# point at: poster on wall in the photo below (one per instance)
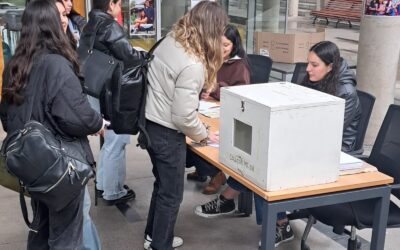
(142, 18)
(382, 7)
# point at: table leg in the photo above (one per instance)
(381, 211)
(268, 227)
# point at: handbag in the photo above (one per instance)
(98, 68)
(6, 179)
(52, 168)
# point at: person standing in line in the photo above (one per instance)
(233, 72)
(76, 22)
(58, 102)
(184, 63)
(110, 38)
(91, 239)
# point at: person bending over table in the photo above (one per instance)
(234, 71)
(326, 72)
(171, 111)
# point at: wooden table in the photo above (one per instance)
(363, 186)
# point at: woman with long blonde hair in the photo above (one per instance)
(184, 63)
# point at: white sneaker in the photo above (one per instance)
(177, 242)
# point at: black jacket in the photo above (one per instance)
(59, 103)
(110, 38)
(347, 90)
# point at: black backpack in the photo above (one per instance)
(123, 102)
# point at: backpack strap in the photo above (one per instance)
(142, 116)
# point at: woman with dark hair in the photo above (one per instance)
(91, 239)
(110, 38)
(58, 102)
(184, 63)
(233, 72)
(329, 73)
(76, 22)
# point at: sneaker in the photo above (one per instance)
(284, 233)
(217, 207)
(99, 192)
(177, 242)
(130, 195)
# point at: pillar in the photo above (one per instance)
(377, 65)
(293, 8)
(270, 15)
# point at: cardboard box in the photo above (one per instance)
(281, 135)
(286, 48)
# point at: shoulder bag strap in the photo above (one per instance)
(36, 77)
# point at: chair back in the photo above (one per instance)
(385, 154)
(299, 72)
(260, 68)
(367, 102)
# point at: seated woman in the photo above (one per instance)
(141, 23)
(234, 71)
(326, 72)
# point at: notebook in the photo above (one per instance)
(348, 162)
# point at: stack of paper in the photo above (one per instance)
(348, 162)
(210, 109)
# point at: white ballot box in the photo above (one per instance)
(281, 135)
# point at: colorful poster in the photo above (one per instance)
(142, 18)
(382, 7)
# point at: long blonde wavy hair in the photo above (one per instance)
(200, 32)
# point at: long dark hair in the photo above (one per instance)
(68, 32)
(233, 35)
(329, 53)
(41, 33)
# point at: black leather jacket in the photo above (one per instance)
(347, 90)
(110, 38)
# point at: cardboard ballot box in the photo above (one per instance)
(286, 48)
(281, 135)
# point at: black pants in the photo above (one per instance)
(203, 168)
(167, 153)
(57, 230)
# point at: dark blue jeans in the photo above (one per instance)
(168, 156)
(203, 168)
(258, 200)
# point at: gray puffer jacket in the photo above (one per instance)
(175, 82)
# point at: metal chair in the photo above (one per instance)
(385, 155)
(260, 68)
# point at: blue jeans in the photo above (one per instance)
(168, 156)
(258, 200)
(111, 168)
(91, 239)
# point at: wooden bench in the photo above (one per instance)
(341, 10)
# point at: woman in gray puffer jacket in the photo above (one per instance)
(329, 73)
